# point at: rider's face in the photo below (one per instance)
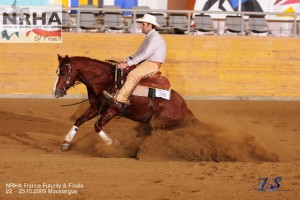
(146, 27)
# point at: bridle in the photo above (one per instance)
(69, 75)
(68, 79)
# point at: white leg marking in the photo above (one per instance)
(70, 135)
(105, 138)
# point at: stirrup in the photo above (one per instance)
(108, 95)
(113, 101)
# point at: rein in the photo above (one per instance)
(73, 104)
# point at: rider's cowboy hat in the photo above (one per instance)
(149, 19)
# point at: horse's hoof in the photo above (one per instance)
(64, 146)
(108, 142)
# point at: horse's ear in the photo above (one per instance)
(59, 58)
(67, 59)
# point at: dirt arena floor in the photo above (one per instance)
(241, 150)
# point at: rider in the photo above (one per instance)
(148, 58)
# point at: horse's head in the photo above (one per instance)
(66, 76)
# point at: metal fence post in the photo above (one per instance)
(78, 20)
(134, 22)
(295, 25)
(243, 23)
(189, 23)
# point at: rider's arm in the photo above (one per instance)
(147, 51)
(154, 49)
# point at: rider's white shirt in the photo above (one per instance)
(152, 49)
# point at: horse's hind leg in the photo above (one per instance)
(144, 129)
(90, 113)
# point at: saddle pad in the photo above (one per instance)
(144, 91)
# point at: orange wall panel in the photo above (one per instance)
(177, 5)
(191, 4)
(196, 65)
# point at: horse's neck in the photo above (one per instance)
(91, 74)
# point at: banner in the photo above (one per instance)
(30, 21)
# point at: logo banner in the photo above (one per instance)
(31, 21)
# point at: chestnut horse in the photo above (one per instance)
(98, 76)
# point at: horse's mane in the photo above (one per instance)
(100, 62)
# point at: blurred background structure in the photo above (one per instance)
(274, 17)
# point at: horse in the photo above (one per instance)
(97, 76)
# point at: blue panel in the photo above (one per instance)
(235, 3)
(74, 3)
(129, 4)
(126, 4)
(119, 3)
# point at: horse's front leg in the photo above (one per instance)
(104, 119)
(90, 113)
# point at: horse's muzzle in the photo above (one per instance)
(60, 93)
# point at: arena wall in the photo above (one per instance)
(197, 66)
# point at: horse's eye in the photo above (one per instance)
(62, 73)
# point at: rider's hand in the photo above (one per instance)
(122, 65)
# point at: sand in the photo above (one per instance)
(237, 145)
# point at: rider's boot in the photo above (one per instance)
(113, 102)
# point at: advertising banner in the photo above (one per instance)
(30, 21)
